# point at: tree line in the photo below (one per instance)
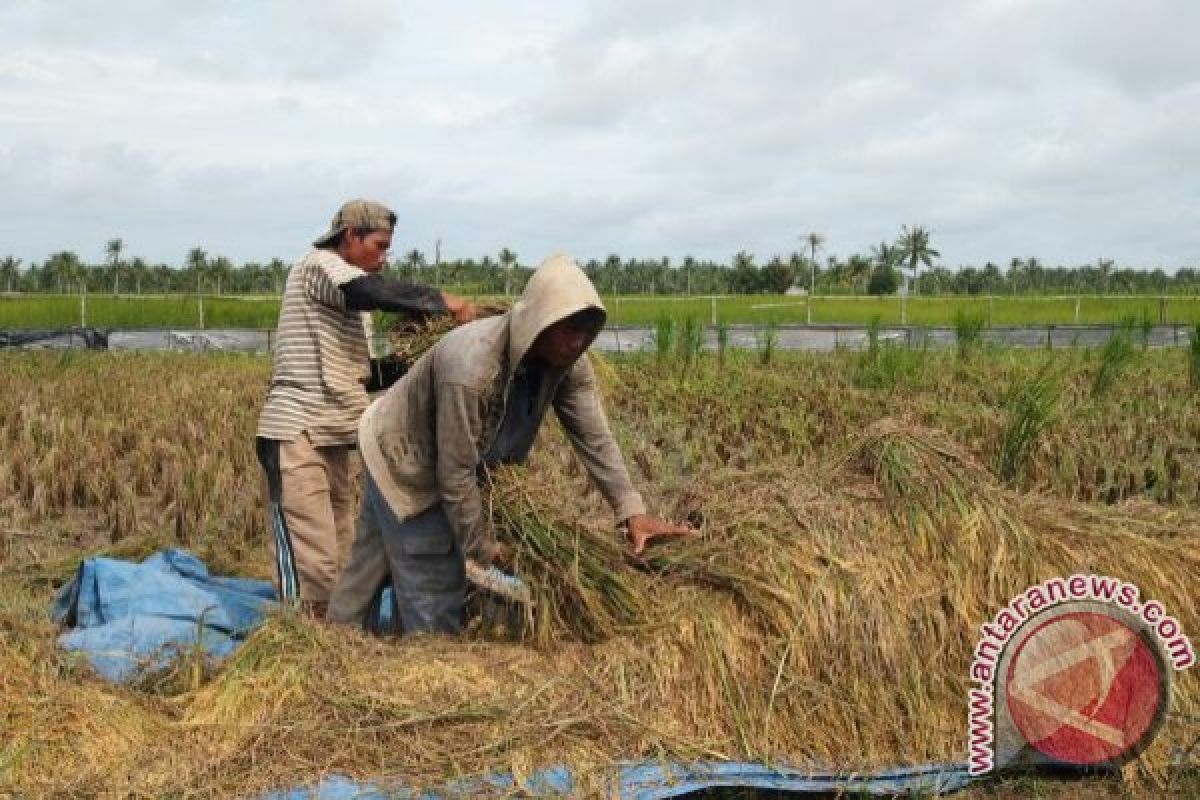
(909, 261)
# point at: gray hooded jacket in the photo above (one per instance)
(423, 440)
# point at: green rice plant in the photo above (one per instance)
(767, 342)
(691, 340)
(1194, 357)
(1145, 324)
(874, 325)
(1032, 406)
(1114, 358)
(884, 364)
(722, 341)
(664, 338)
(894, 365)
(968, 331)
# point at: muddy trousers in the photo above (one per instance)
(310, 517)
(419, 559)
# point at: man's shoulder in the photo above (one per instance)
(473, 354)
(328, 262)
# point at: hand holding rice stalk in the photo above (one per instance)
(411, 337)
(578, 582)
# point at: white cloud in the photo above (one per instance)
(1060, 128)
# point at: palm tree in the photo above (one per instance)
(278, 270)
(1105, 265)
(778, 275)
(745, 273)
(10, 270)
(113, 251)
(858, 270)
(508, 259)
(689, 266)
(414, 260)
(162, 277)
(913, 247)
(612, 268)
(66, 269)
(221, 270)
(1033, 268)
(815, 242)
(138, 271)
(658, 273)
(197, 263)
(487, 272)
(885, 255)
(1016, 268)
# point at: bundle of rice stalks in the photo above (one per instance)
(581, 586)
(409, 338)
(921, 471)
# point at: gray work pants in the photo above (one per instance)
(420, 558)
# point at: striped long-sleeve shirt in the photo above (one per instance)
(321, 356)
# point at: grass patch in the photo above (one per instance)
(1115, 357)
(884, 364)
(1032, 406)
(968, 332)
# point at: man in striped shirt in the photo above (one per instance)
(318, 391)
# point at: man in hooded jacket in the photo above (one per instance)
(478, 398)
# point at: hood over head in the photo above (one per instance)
(557, 289)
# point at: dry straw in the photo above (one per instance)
(826, 616)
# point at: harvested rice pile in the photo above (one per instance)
(826, 617)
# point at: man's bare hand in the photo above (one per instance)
(644, 529)
(503, 557)
(460, 308)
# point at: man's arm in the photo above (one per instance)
(459, 426)
(577, 404)
(375, 292)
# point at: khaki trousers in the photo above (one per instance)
(311, 521)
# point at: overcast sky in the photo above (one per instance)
(1063, 129)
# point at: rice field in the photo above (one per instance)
(190, 311)
(134, 311)
(862, 514)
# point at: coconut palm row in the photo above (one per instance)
(880, 271)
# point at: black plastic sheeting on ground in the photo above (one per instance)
(60, 339)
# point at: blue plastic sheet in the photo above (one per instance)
(653, 781)
(126, 616)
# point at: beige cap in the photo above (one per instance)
(359, 213)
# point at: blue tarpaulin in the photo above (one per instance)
(127, 616)
(654, 781)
